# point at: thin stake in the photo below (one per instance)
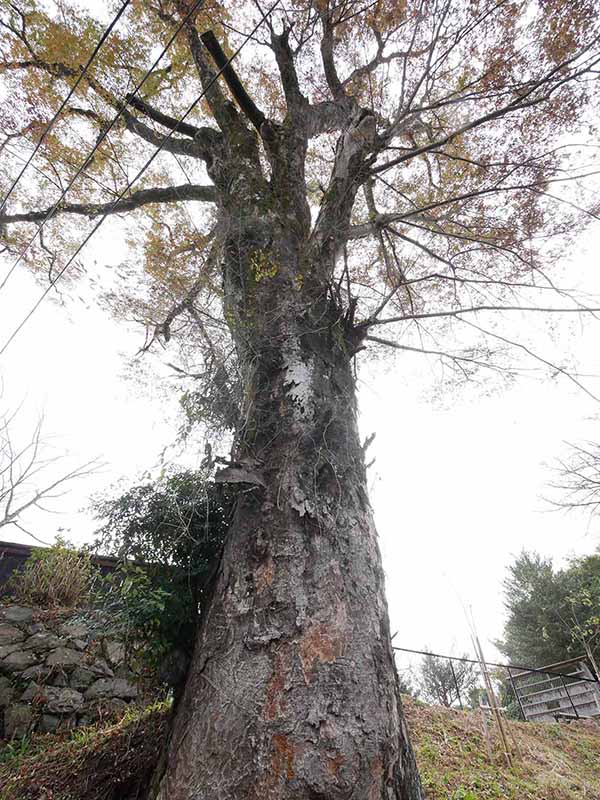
(492, 701)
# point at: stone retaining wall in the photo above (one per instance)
(58, 669)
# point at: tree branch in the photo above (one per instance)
(202, 147)
(363, 230)
(224, 112)
(243, 99)
(203, 141)
(165, 120)
(523, 101)
(22, 469)
(555, 367)
(170, 194)
(327, 45)
(296, 101)
(428, 352)
(476, 309)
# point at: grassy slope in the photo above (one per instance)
(114, 762)
(558, 761)
(104, 762)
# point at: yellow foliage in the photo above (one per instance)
(262, 266)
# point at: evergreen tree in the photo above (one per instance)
(446, 682)
(553, 615)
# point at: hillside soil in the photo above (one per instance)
(115, 761)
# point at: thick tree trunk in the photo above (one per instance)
(293, 691)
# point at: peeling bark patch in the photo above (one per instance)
(298, 380)
(377, 773)
(334, 764)
(264, 575)
(275, 703)
(282, 761)
(319, 643)
(301, 503)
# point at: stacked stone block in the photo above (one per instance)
(59, 670)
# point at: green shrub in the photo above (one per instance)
(173, 531)
(140, 613)
(57, 576)
(13, 752)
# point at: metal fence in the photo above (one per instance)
(567, 690)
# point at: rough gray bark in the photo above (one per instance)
(292, 691)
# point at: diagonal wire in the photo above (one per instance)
(165, 139)
(82, 74)
(37, 169)
(98, 142)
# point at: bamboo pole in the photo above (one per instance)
(492, 700)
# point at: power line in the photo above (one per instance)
(82, 74)
(137, 176)
(98, 142)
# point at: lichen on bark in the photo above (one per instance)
(293, 693)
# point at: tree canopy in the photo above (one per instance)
(479, 134)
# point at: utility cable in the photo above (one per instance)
(50, 125)
(165, 139)
(98, 142)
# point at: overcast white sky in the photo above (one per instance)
(456, 484)
(457, 479)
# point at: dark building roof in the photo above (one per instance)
(13, 556)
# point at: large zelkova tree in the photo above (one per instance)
(363, 176)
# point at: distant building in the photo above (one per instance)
(572, 694)
(14, 555)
